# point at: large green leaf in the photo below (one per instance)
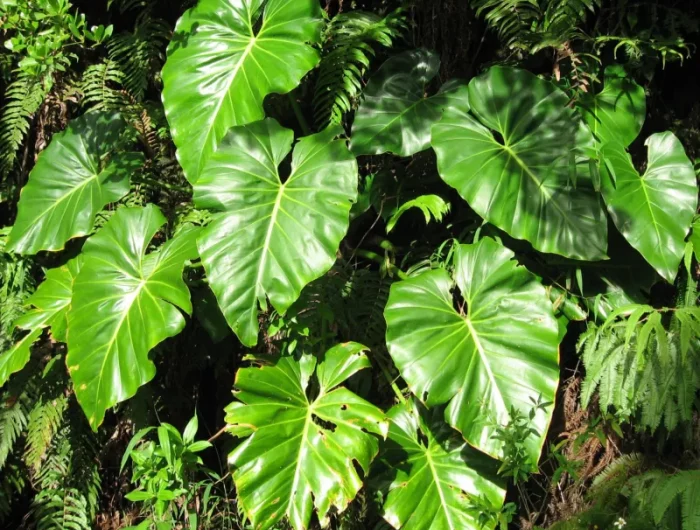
(432, 478)
(617, 112)
(500, 350)
(49, 305)
(272, 238)
(299, 452)
(514, 161)
(124, 303)
(73, 179)
(653, 211)
(396, 115)
(220, 68)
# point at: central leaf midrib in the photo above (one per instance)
(268, 236)
(537, 181)
(232, 79)
(70, 193)
(436, 479)
(484, 359)
(297, 469)
(112, 341)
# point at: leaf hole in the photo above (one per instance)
(422, 439)
(499, 138)
(285, 169)
(343, 407)
(458, 302)
(327, 425)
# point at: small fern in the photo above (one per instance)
(23, 98)
(642, 367)
(365, 297)
(17, 400)
(139, 55)
(12, 483)
(100, 84)
(511, 19)
(532, 25)
(673, 501)
(47, 414)
(432, 207)
(68, 481)
(347, 53)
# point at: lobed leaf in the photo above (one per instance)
(299, 453)
(124, 303)
(498, 351)
(271, 238)
(220, 67)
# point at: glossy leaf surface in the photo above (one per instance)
(271, 238)
(49, 305)
(513, 159)
(73, 179)
(395, 115)
(499, 351)
(220, 68)
(653, 211)
(299, 453)
(435, 478)
(124, 303)
(617, 112)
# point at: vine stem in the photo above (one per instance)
(219, 433)
(387, 375)
(300, 115)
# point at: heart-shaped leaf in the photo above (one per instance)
(272, 238)
(617, 112)
(433, 479)
(124, 303)
(73, 179)
(49, 305)
(299, 452)
(514, 160)
(220, 68)
(653, 211)
(498, 350)
(395, 115)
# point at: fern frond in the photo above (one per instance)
(100, 86)
(349, 47)
(365, 297)
(68, 480)
(12, 483)
(14, 416)
(432, 207)
(640, 367)
(511, 19)
(533, 25)
(139, 55)
(23, 98)
(16, 284)
(673, 501)
(44, 421)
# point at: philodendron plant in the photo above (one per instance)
(473, 339)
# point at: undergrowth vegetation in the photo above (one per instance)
(294, 264)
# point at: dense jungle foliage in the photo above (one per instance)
(349, 264)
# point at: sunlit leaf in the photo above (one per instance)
(299, 452)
